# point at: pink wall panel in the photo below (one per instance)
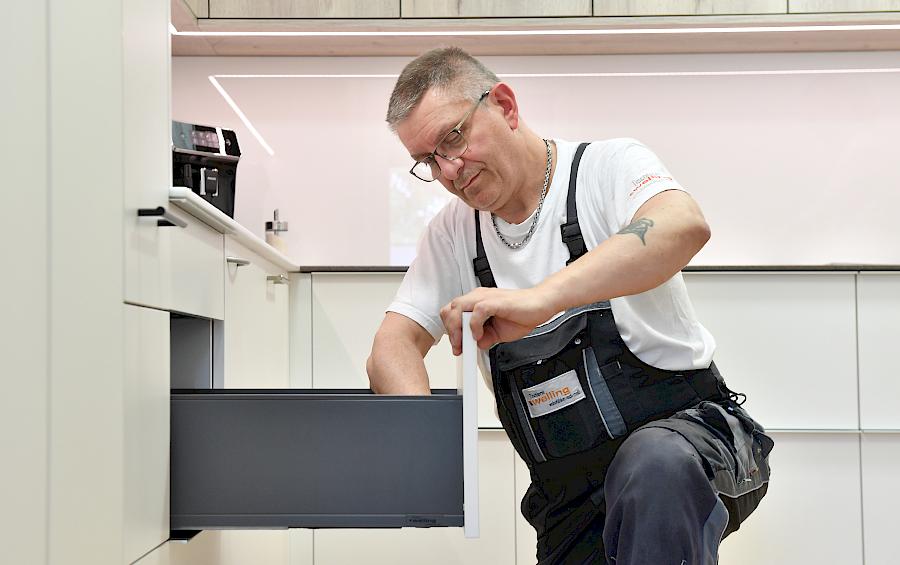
(793, 157)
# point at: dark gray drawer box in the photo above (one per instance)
(315, 459)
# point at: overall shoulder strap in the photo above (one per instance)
(571, 231)
(480, 262)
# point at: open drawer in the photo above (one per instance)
(315, 459)
(310, 458)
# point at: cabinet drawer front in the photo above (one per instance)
(197, 275)
(312, 458)
(146, 430)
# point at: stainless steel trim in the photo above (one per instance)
(278, 279)
(220, 156)
(237, 261)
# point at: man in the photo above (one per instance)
(569, 258)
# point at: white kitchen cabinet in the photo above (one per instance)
(878, 296)
(812, 512)
(440, 546)
(256, 321)
(237, 547)
(526, 537)
(787, 340)
(147, 153)
(146, 429)
(881, 497)
(196, 276)
(347, 309)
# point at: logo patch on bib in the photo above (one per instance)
(553, 395)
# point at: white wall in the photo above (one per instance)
(789, 168)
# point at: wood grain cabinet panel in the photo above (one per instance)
(687, 7)
(200, 8)
(304, 9)
(494, 8)
(813, 6)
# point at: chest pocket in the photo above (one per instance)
(551, 386)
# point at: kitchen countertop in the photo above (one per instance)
(839, 267)
(199, 208)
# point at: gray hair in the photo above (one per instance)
(449, 69)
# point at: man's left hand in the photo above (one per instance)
(498, 315)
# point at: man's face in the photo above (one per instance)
(475, 176)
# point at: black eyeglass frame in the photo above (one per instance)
(457, 130)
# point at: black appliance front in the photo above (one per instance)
(205, 159)
(315, 459)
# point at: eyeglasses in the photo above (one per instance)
(451, 147)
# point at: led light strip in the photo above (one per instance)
(241, 115)
(608, 74)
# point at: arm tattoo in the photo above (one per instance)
(638, 228)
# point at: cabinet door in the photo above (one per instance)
(347, 309)
(148, 154)
(812, 512)
(687, 7)
(881, 496)
(807, 6)
(878, 296)
(256, 321)
(440, 546)
(278, 547)
(196, 276)
(787, 340)
(494, 8)
(304, 9)
(526, 537)
(146, 517)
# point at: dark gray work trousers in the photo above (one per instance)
(661, 507)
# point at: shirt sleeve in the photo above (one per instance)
(432, 279)
(630, 175)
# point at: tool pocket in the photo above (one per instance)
(646, 393)
(560, 403)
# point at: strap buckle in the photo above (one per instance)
(571, 236)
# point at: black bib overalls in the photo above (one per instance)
(570, 393)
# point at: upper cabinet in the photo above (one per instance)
(687, 7)
(541, 27)
(403, 9)
(304, 9)
(493, 8)
(818, 6)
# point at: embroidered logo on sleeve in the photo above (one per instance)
(553, 395)
(645, 181)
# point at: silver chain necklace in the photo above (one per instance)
(537, 213)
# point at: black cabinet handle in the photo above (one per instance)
(165, 218)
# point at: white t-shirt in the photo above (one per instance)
(615, 177)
